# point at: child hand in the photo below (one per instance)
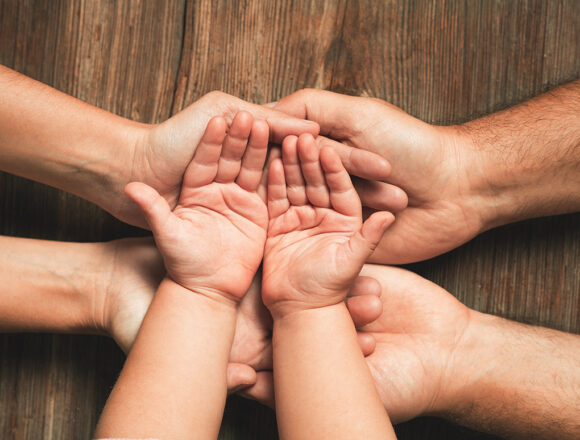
(213, 240)
(317, 242)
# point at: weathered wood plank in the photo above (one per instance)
(442, 61)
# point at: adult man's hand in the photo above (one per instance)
(434, 356)
(461, 180)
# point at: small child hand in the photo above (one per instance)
(317, 242)
(213, 239)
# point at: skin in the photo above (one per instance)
(461, 180)
(315, 249)
(53, 138)
(106, 288)
(173, 384)
(434, 356)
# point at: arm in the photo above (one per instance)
(316, 246)
(524, 384)
(461, 180)
(50, 286)
(323, 386)
(174, 382)
(530, 155)
(51, 137)
(434, 356)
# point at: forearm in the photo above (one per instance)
(517, 380)
(173, 384)
(323, 386)
(527, 158)
(50, 286)
(53, 138)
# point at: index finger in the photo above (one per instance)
(360, 163)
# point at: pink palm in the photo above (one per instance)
(315, 246)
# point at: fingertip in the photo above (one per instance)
(365, 285)
(240, 376)
(217, 123)
(276, 171)
(260, 127)
(289, 152)
(364, 309)
(306, 146)
(330, 160)
(367, 343)
(384, 168)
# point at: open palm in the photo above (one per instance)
(215, 235)
(316, 241)
(417, 337)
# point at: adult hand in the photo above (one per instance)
(431, 164)
(129, 272)
(162, 152)
(416, 336)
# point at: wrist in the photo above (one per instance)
(523, 168)
(209, 294)
(293, 315)
(472, 363)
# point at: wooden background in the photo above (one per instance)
(442, 61)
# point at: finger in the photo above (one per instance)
(366, 342)
(343, 197)
(278, 202)
(296, 187)
(339, 117)
(364, 309)
(380, 195)
(363, 243)
(263, 390)
(239, 376)
(279, 123)
(361, 163)
(254, 157)
(365, 285)
(316, 189)
(204, 165)
(234, 147)
(154, 207)
(336, 113)
(273, 153)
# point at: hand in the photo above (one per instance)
(316, 242)
(435, 166)
(213, 240)
(162, 152)
(418, 339)
(132, 268)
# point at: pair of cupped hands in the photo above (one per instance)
(299, 214)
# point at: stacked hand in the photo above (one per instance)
(160, 153)
(220, 189)
(442, 178)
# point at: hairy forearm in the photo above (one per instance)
(528, 157)
(517, 380)
(173, 384)
(49, 286)
(53, 138)
(323, 386)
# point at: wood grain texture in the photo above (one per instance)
(442, 61)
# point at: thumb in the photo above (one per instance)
(239, 377)
(263, 390)
(154, 207)
(364, 242)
